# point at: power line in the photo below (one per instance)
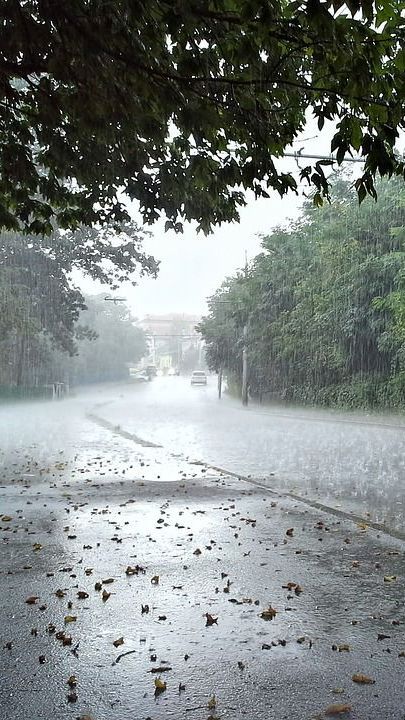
(298, 155)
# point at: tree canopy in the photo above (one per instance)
(116, 341)
(182, 106)
(324, 306)
(40, 303)
(101, 341)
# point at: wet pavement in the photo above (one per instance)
(114, 539)
(350, 461)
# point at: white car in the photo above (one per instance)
(140, 376)
(199, 377)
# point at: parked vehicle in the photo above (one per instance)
(199, 377)
(151, 371)
(140, 376)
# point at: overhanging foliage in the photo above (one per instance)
(185, 105)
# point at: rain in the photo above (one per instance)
(202, 362)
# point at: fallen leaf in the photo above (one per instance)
(37, 546)
(290, 532)
(197, 551)
(6, 518)
(212, 702)
(338, 709)
(32, 600)
(211, 620)
(118, 642)
(268, 614)
(70, 618)
(155, 580)
(72, 681)
(105, 595)
(160, 686)
(362, 679)
(108, 581)
(97, 586)
(60, 593)
(289, 586)
(135, 570)
(82, 595)
(390, 578)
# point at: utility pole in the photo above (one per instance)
(245, 367)
(220, 383)
(245, 394)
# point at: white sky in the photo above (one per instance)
(193, 265)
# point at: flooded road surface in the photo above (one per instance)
(137, 585)
(355, 462)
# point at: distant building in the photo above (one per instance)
(170, 337)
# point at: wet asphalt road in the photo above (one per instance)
(355, 462)
(80, 502)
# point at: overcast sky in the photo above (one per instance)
(193, 265)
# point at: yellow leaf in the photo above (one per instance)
(212, 702)
(6, 518)
(362, 679)
(338, 708)
(70, 618)
(160, 686)
(390, 578)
